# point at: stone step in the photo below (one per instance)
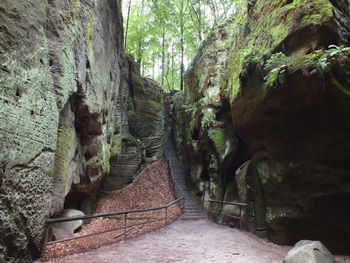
(193, 217)
(193, 209)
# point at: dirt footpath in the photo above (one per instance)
(199, 241)
(188, 241)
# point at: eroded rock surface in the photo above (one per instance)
(138, 140)
(282, 104)
(65, 98)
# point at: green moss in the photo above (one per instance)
(106, 164)
(218, 138)
(63, 153)
(267, 26)
(75, 6)
(320, 12)
(90, 31)
(278, 33)
(207, 118)
(294, 4)
(116, 146)
(341, 86)
(75, 9)
(120, 139)
(138, 81)
(190, 128)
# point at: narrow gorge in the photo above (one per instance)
(262, 119)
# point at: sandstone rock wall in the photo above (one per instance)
(65, 98)
(138, 139)
(284, 147)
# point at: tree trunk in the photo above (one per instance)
(182, 47)
(172, 66)
(127, 25)
(163, 56)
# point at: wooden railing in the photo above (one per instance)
(238, 204)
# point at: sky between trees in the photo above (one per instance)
(164, 35)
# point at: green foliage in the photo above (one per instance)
(276, 61)
(207, 118)
(188, 107)
(275, 65)
(332, 51)
(218, 138)
(159, 30)
(264, 29)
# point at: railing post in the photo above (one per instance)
(166, 214)
(46, 238)
(125, 215)
(240, 217)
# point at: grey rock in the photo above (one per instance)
(66, 229)
(58, 80)
(306, 251)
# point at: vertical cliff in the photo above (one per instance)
(65, 99)
(266, 119)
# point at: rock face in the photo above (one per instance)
(140, 128)
(65, 99)
(207, 134)
(275, 134)
(309, 252)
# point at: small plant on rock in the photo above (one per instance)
(278, 63)
(332, 51)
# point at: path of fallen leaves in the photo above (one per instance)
(152, 188)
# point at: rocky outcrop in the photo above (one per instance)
(207, 134)
(65, 99)
(138, 140)
(287, 101)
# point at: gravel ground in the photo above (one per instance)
(186, 241)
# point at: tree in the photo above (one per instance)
(127, 24)
(164, 35)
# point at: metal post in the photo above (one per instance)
(43, 253)
(166, 214)
(240, 217)
(125, 215)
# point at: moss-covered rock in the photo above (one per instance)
(60, 70)
(287, 95)
(283, 107)
(138, 139)
(207, 135)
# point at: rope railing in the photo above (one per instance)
(126, 228)
(240, 206)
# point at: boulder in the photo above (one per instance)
(306, 251)
(67, 229)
